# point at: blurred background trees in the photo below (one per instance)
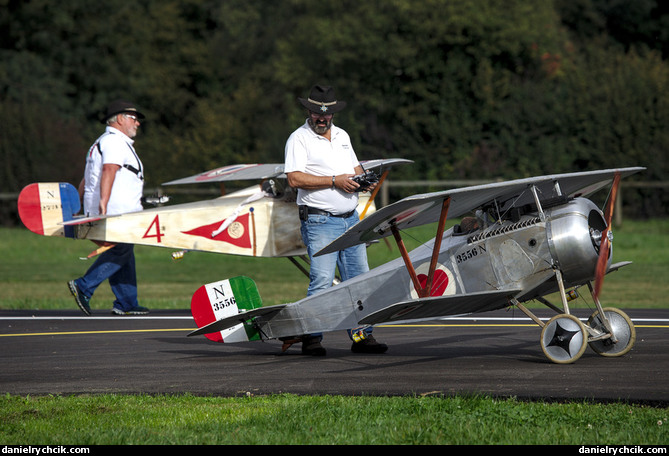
(468, 89)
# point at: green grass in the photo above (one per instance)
(321, 420)
(33, 273)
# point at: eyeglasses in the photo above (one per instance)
(130, 116)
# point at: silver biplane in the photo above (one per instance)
(518, 241)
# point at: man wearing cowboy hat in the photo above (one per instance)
(113, 183)
(320, 162)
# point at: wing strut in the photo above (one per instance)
(424, 292)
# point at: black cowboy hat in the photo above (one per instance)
(119, 106)
(322, 100)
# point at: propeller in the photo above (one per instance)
(600, 269)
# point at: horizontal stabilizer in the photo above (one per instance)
(83, 220)
(426, 208)
(441, 306)
(234, 320)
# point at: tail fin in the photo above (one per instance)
(43, 207)
(226, 298)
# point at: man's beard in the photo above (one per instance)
(320, 129)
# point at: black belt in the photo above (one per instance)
(313, 210)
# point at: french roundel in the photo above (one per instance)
(443, 283)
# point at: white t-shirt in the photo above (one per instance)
(313, 154)
(113, 147)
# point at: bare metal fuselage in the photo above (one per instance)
(515, 254)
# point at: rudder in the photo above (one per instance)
(224, 298)
(44, 206)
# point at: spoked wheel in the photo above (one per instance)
(623, 331)
(563, 339)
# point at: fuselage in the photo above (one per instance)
(520, 252)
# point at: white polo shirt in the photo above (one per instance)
(311, 153)
(113, 147)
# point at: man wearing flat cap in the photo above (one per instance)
(113, 183)
(320, 162)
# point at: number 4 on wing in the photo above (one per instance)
(155, 226)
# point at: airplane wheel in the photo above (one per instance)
(622, 327)
(563, 339)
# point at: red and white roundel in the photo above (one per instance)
(443, 283)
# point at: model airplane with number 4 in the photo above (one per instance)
(525, 239)
(261, 220)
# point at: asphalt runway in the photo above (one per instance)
(497, 354)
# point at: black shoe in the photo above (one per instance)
(312, 346)
(368, 345)
(81, 300)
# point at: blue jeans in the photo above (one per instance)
(118, 265)
(317, 232)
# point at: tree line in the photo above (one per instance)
(476, 89)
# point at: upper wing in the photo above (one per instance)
(233, 172)
(425, 208)
(264, 171)
(383, 163)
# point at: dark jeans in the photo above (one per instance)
(118, 265)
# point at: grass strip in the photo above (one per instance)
(323, 420)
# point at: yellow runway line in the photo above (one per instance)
(445, 325)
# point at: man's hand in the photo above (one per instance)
(345, 183)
